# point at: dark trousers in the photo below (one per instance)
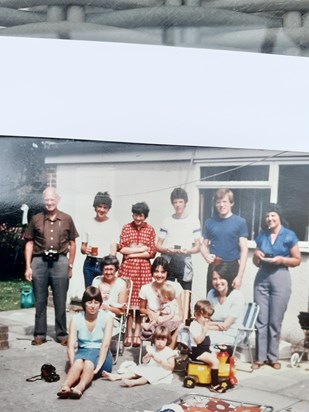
(55, 276)
(91, 269)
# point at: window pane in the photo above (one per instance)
(231, 173)
(293, 197)
(248, 204)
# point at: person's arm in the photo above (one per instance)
(72, 338)
(121, 303)
(113, 249)
(85, 249)
(198, 339)
(243, 246)
(195, 248)
(168, 364)
(105, 343)
(222, 326)
(165, 318)
(167, 251)
(152, 315)
(290, 261)
(72, 253)
(28, 257)
(205, 252)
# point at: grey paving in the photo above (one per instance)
(285, 390)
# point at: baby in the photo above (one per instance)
(169, 310)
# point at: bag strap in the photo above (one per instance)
(34, 378)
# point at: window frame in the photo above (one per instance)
(272, 183)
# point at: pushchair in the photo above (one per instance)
(296, 358)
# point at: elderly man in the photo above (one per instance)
(49, 254)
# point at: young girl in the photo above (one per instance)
(158, 363)
(203, 310)
(169, 310)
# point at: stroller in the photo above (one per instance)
(296, 358)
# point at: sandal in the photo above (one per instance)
(75, 394)
(275, 365)
(257, 365)
(136, 341)
(128, 341)
(63, 393)
(217, 388)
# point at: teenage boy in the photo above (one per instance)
(179, 238)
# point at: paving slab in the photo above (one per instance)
(285, 390)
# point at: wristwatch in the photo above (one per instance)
(71, 265)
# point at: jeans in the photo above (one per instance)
(180, 268)
(91, 269)
(56, 277)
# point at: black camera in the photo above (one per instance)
(50, 255)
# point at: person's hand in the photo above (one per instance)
(28, 274)
(88, 250)
(70, 272)
(259, 254)
(237, 282)
(276, 260)
(210, 258)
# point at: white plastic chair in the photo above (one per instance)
(244, 332)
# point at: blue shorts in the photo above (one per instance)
(92, 355)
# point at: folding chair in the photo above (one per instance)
(120, 322)
(245, 331)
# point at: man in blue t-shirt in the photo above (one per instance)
(225, 239)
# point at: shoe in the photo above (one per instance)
(38, 341)
(257, 365)
(136, 342)
(275, 365)
(128, 341)
(75, 394)
(63, 342)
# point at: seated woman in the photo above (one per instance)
(228, 304)
(92, 330)
(150, 304)
(112, 288)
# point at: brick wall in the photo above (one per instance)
(4, 337)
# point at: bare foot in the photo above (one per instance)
(110, 376)
(128, 382)
(64, 392)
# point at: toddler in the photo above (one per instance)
(203, 310)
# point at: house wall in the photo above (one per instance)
(152, 182)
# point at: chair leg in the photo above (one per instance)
(235, 344)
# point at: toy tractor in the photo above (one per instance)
(199, 372)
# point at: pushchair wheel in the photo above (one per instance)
(294, 360)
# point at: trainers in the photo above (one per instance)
(38, 341)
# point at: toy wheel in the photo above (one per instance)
(189, 382)
(294, 360)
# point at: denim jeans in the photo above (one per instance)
(91, 269)
(56, 277)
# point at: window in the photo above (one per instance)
(255, 186)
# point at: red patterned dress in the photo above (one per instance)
(137, 269)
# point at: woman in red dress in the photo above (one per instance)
(137, 245)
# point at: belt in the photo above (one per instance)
(43, 254)
(93, 259)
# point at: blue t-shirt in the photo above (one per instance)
(285, 240)
(223, 236)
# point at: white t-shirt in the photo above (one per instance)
(153, 302)
(182, 232)
(101, 235)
